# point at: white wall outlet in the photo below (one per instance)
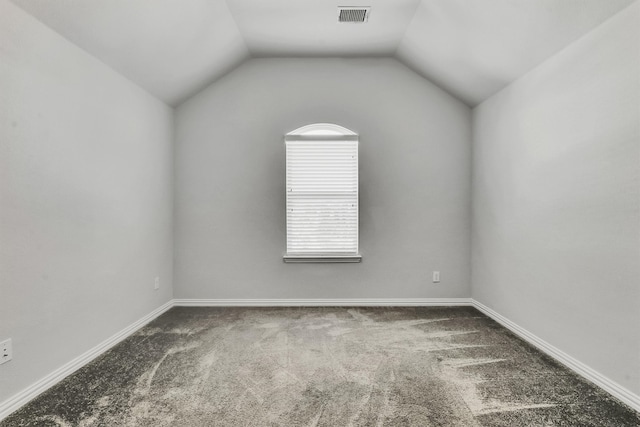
(6, 351)
(156, 284)
(436, 277)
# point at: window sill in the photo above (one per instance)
(322, 258)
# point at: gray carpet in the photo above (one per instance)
(324, 367)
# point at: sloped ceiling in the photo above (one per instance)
(474, 48)
(174, 48)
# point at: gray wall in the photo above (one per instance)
(556, 195)
(414, 182)
(85, 200)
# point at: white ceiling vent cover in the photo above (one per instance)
(353, 14)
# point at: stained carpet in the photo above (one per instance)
(332, 367)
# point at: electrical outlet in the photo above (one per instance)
(436, 277)
(156, 284)
(6, 351)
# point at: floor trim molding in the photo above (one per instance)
(621, 393)
(322, 302)
(18, 400)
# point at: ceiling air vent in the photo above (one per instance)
(354, 14)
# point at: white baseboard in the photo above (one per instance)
(15, 402)
(613, 388)
(333, 302)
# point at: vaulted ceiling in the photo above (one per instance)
(174, 48)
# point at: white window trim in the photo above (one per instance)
(322, 132)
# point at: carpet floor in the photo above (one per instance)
(333, 366)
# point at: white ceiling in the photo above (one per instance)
(174, 48)
(311, 28)
(474, 48)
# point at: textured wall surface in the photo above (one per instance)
(230, 176)
(556, 200)
(85, 200)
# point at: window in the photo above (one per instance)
(322, 194)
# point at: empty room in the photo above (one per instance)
(320, 213)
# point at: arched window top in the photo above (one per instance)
(322, 129)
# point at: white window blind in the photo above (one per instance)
(322, 196)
